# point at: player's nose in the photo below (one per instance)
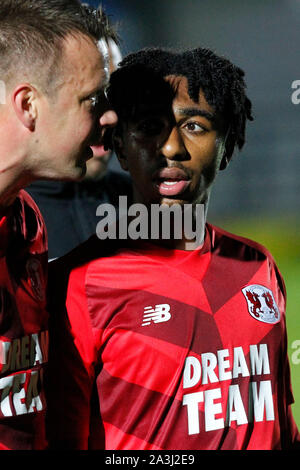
(174, 147)
(108, 119)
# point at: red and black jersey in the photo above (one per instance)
(166, 349)
(23, 326)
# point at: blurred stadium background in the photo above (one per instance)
(258, 196)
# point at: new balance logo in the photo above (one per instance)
(158, 314)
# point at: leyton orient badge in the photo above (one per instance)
(261, 303)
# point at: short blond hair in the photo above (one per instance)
(32, 34)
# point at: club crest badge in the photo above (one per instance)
(261, 303)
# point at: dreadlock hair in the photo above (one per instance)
(133, 91)
(221, 82)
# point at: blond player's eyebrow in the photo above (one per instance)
(96, 92)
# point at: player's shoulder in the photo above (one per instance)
(27, 200)
(82, 257)
(29, 208)
(29, 222)
(237, 246)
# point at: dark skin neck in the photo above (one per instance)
(174, 235)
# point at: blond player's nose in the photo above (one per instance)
(109, 119)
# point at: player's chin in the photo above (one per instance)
(75, 172)
(183, 199)
(95, 170)
(169, 201)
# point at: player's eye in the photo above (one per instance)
(94, 101)
(194, 127)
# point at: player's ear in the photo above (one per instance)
(24, 101)
(118, 148)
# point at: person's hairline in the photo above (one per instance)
(54, 70)
(218, 119)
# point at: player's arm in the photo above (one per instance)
(70, 375)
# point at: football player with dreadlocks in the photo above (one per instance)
(162, 345)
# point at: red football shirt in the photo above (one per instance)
(169, 349)
(23, 326)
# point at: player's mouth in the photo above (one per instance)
(99, 151)
(171, 181)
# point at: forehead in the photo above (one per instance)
(83, 64)
(173, 102)
(182, 98)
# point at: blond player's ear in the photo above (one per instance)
(24, 100)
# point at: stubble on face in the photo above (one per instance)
(68, 122)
